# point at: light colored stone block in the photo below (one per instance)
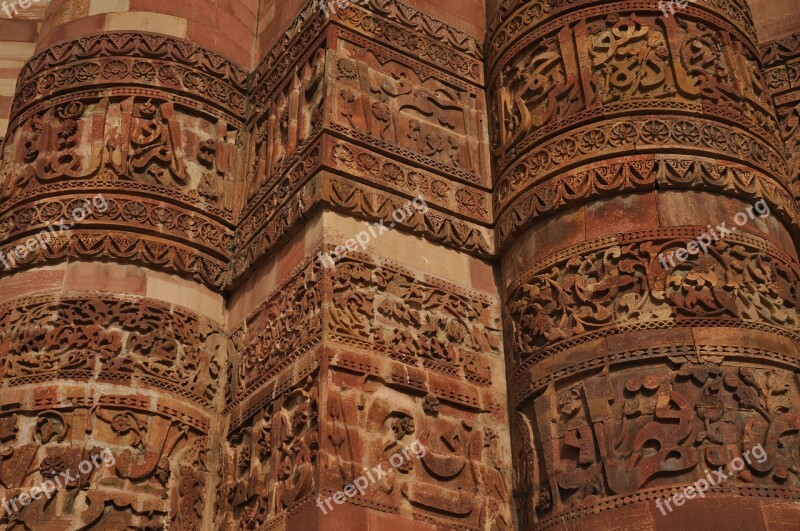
(152, 22)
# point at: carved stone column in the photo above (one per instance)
(339, 368)
(782, 71)
(116, 224)
(621, 135)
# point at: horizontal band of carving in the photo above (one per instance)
(613, 139)
(472, 204)
(426, 324)
(686, 233)
(453, 173)
(80, 397)
(385, 54)
(132, 139)
(669, 125)
(352, 199)
(526, 116)
(134, 58)
(642, 173)
(136, 342)
(426, 379)
(435, 49)
(141, 451)
(436, 226)
(139, 216)
(417, 21)
(149, 251)
(525, 386)
(595, 293)
(641, 432)
(190, 203)
(121, 93)
(437, 326)
(514, 19)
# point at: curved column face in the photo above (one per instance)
(645, 221)
(603, 99)
(782, 70)
(108, 407)
(117, 195)
(124, 133)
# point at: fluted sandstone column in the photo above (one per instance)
(620, 136)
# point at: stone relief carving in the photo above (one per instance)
(358, 114)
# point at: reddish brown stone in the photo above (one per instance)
(522, 327)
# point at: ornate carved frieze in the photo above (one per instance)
(599, 82)
(69, 368)
(134, 59)
(632, 434)
(637, 173)
(425, 349)
(137, 342)
(513, 20)
(782, 70)
(399, 26)
(594, 291)
(149, 460)
(157, 142)
(373, 412)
